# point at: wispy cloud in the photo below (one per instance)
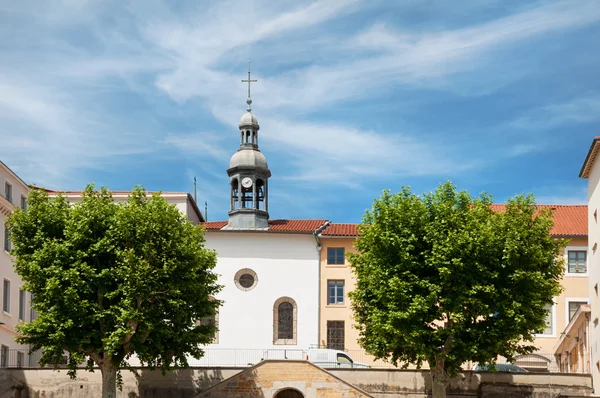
(347, 94)
(580, 110)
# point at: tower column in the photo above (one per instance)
(266, 199)
(254, 198)
(241, 201)
(231, 193)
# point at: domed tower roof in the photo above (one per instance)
(248, 158)
(248, 119)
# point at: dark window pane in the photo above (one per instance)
(577, 261)
(335, 335)
(340, 256)
(573, 307)
(246, 281)
(285, 321)
(330, 256)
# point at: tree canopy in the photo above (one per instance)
(113, 279)
(443, 278)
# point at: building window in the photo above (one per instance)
(335, 255)
(573, 307)
(335, 335)
(212, 319)
(22, 304)
(285, 321)
(8, 191)
(23, 203)
(335, 292)
(32, 311)
(245, 279)
(20, 359)
(577, 261)
(7, 239)
(549, 330)
(6, 296)
(4, 356)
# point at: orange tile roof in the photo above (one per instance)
(290, 226)
(214, 225)
(349, 230)
(569, 220)
(117, 192)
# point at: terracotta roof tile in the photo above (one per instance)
(569, 220)
(298, 226)
(214, 225)
(67, 192)
(341, 230)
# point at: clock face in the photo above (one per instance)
(247, 182)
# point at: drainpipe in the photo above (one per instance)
(319, 247)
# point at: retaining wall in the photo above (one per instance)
(384, 383)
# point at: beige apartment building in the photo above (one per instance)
(337, 279)
(15, 300)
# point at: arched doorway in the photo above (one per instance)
(289, 393)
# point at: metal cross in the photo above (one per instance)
(249, 100)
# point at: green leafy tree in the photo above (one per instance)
(444, 279)
(114, 279)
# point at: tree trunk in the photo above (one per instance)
(440, 379)
(109, 380)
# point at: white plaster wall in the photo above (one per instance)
(594, 270)
(286, 265)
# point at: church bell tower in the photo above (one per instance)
(249, 175)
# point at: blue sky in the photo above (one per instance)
(353, 97)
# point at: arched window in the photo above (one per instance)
(212, 319)
(285, 321)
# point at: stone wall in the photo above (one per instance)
(384, 383)
(270, 378)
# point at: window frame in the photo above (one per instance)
(335, 296)
(242, 272)
(8, 191)
(553, 312)
(5, 296)
(7, 244)
(342, 328)
(214, 319)
(276, 339)
(23, 202)
(566, 256)
(336, 259)
(22, 304)
(570, 300)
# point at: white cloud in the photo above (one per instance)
(580, 110)
(50, 104)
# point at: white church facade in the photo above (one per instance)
(269, 268)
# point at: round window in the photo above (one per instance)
(245, 279)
